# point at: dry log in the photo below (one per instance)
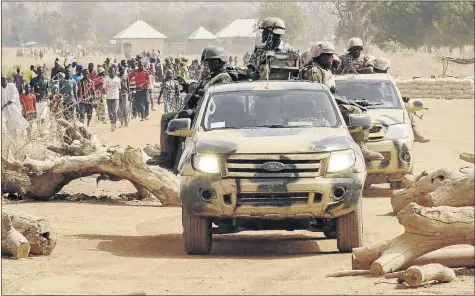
(450, 257)
(13, 242)
(467, 157)
(414, 276)
(348, 273)
(426, 230)
(395, 275)
(84, 156)
(440, 188)
(38, 231)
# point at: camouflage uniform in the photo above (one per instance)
(319, 74)
(276, 27)
(381, 65)
(170, 144)
(349, 63)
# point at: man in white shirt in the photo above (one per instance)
(13, 122)
(112, 85)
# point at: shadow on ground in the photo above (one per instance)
(226, 246)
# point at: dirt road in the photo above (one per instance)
(118, 249)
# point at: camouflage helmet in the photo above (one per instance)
(277, 23)
(216, 53)
(381, 63)
(320, 48)
(203, 54)
(355, 42)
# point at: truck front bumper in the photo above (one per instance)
(264, 198)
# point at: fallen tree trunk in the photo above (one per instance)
(415, 276)
(426, 230)
(450, 257)
(440, 188)
(469, 157)
(38, 231)
(84, 156)
(13, 242)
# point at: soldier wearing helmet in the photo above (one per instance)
(215, 59)
(381, 65)
(320, 72)
(272, 30)
(354, 60)
(321, 55)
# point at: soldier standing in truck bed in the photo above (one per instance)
(272, 30)
(319, 71)
(354, 60)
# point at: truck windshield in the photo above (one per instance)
(382, 93)
(271, 109)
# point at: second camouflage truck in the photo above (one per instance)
(270, 155)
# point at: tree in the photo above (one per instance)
(457, 24)
(354, 21)
(289, 12)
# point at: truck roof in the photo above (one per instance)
(361, 77)
(261, 85)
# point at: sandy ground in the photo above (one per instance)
(122, 249)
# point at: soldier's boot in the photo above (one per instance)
(418, 137)
(359, 136)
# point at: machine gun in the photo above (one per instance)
(360, 103)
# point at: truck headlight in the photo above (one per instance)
(206, 164)
(397, 131)
(341, 161)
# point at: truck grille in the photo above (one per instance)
(272, 199)
(376, 133)
(294, 165)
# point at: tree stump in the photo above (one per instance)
(13, 242)
(440, 188)
(37, 231)
(83, 155)
(426, 230)
(415, 276)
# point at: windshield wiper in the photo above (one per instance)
(273, 125)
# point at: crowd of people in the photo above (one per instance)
(74, 91)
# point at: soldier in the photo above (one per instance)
(354, 60)
(381, 65)
(322, 56)
(215, 59)
(272, 30)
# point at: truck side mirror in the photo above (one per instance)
(361, 120)
(180, 127)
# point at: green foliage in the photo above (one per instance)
(415, 24)
(290, 12)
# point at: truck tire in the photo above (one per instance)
(349, 230)
(196, 234)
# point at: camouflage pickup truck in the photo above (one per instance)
(271, 155)
(391, 132)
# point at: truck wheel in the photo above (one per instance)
(396, 185)
(196, 234)
(349, 230)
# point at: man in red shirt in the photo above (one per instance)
(98, 81)
(28, 103)
(143, 86)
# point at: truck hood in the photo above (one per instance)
(386, 116)
(273, 140)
